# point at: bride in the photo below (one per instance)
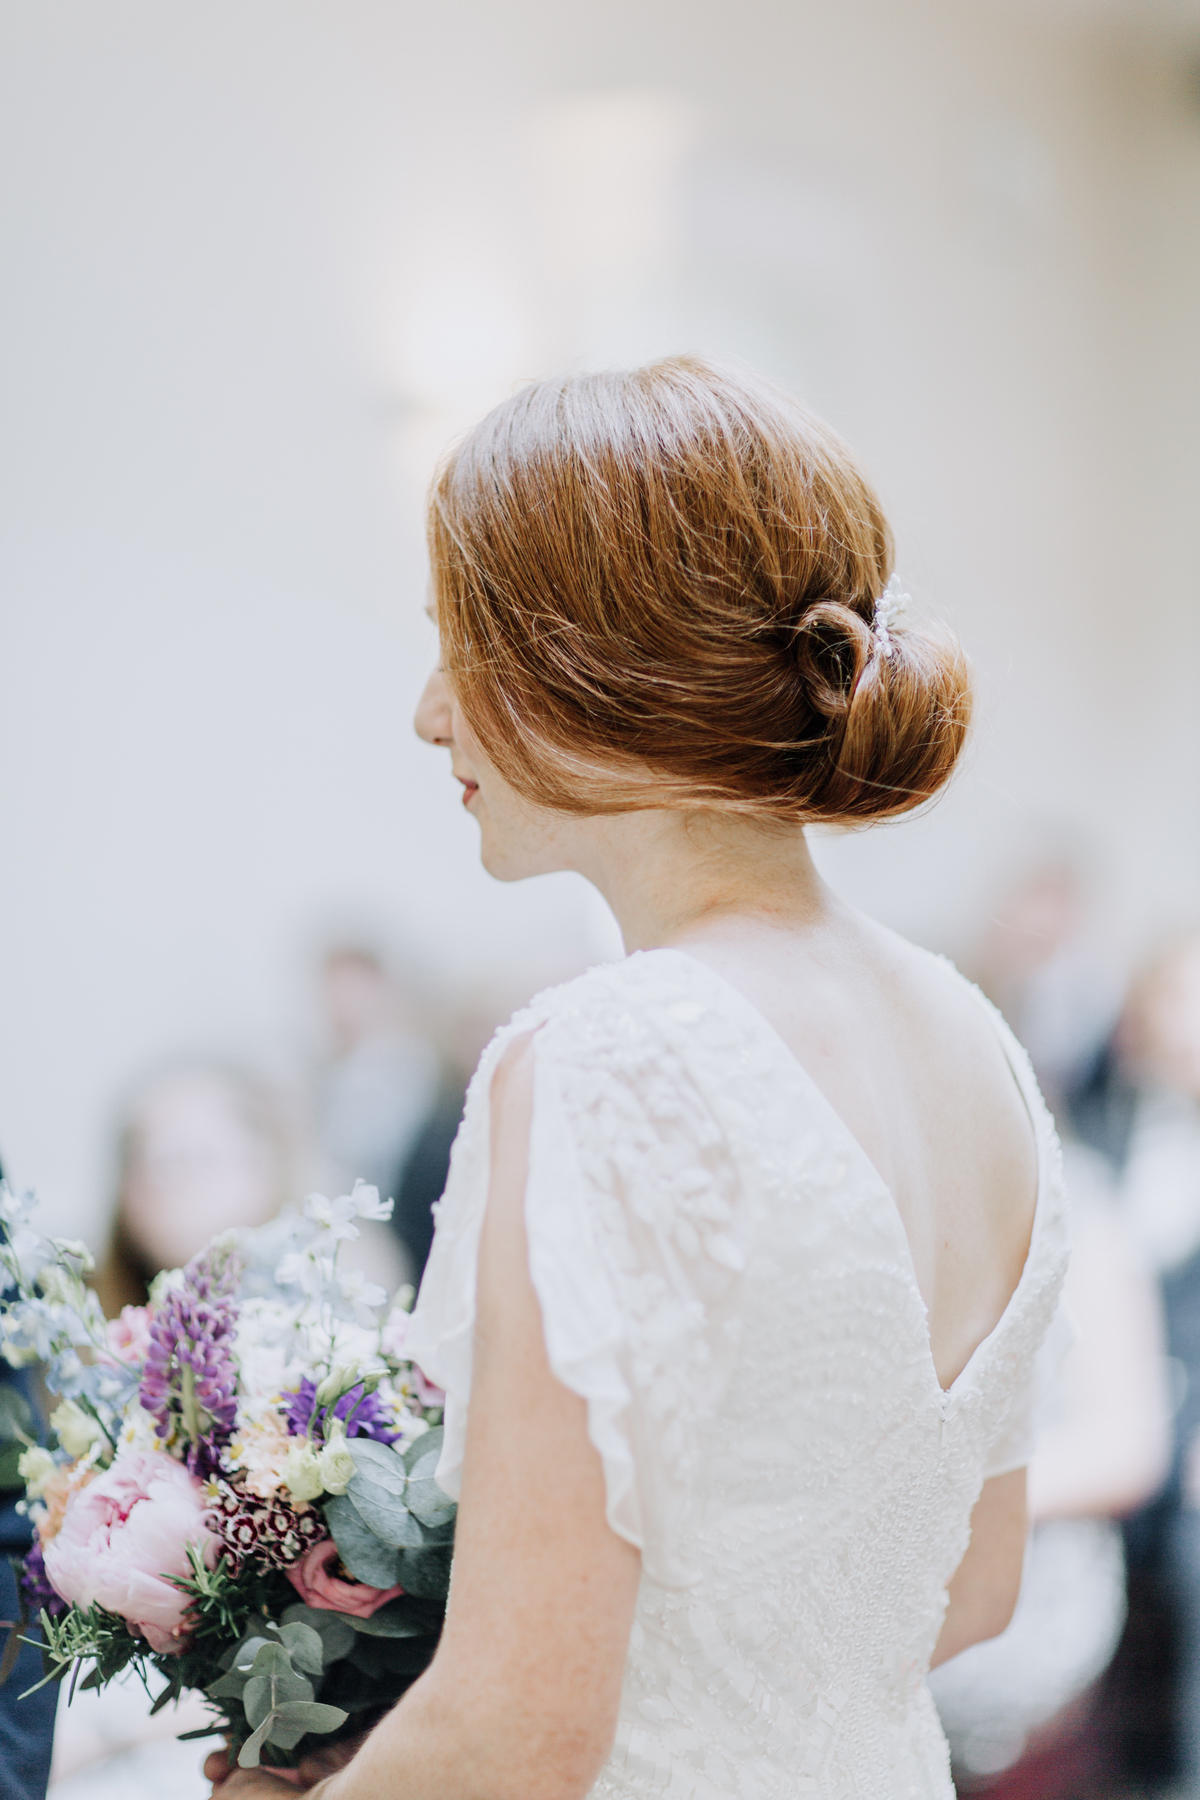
(750, 1241)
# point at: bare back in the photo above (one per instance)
(912, 1066)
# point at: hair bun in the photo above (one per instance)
(659, 587)
(897, 706)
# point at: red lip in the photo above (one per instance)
(470, 789)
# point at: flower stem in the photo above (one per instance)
(191, 1412)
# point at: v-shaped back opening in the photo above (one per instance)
(1023, 1079)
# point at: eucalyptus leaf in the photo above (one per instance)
(379, 1462)
(334, 1629)
(431, 1504)
(273, 1682)
(304, 1647)
(425, 1459)
(395, 1620)
(283, 1735)
(248, 1755)
(310, 1715)
(242, 1655)
(386, 1515)
(272, 1661)
(364, 1554)
(428, 1444)
(439, 1534)
(232, 1657)
(256, 1699)
(425, 1573)
(230, 1687)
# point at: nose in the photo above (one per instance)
(432, 719)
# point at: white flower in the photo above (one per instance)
(299, 1269)
(302, 1470)
(18, 1356)
(336, 1216)
(362, 1297)
(35, 1467)
(27, 1254)
(340, 1382)
(61, 1287)
(337, 1467)
(77, 1251)
(140, 1430)
(355, 1288)
(367, 1204)
(77, 1430)
(14, 1208)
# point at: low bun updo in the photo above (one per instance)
(658, 587)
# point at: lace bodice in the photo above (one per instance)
(725, 1279)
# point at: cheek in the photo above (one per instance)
(466, 740)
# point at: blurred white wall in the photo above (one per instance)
(263, 256)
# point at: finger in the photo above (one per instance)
(330, 1758)
(253, 1783)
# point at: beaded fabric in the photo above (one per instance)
(726, 1281)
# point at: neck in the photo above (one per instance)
(671, 877)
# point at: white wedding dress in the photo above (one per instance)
(725, 1279)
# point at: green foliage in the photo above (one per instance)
(335, 1632)
(85, 1634)
(393, 1526)
(268, 1678)
(403, 1617)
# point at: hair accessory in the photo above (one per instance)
(890, 606)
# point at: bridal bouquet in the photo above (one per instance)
(239, 1496)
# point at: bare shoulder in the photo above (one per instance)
(946, 1015)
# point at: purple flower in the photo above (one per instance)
(370, 1419)
(190, 1375)
(36, 1587)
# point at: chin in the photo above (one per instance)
(501, 864)
(509, 861)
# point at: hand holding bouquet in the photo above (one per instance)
(241, 1498)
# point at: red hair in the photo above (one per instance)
(658, 586)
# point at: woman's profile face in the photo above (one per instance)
(517, 837)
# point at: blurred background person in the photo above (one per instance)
(1023, 1712)
(389, 1100)
(1144, 1109)
(1042, 959)
(381, 1077)
(203, 1148)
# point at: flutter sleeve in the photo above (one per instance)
(1026, 1415)
(633, 1225)
(1037, 1330)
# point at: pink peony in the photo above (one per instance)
(126, 1531)
(129, 1335)
(315, 1585)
